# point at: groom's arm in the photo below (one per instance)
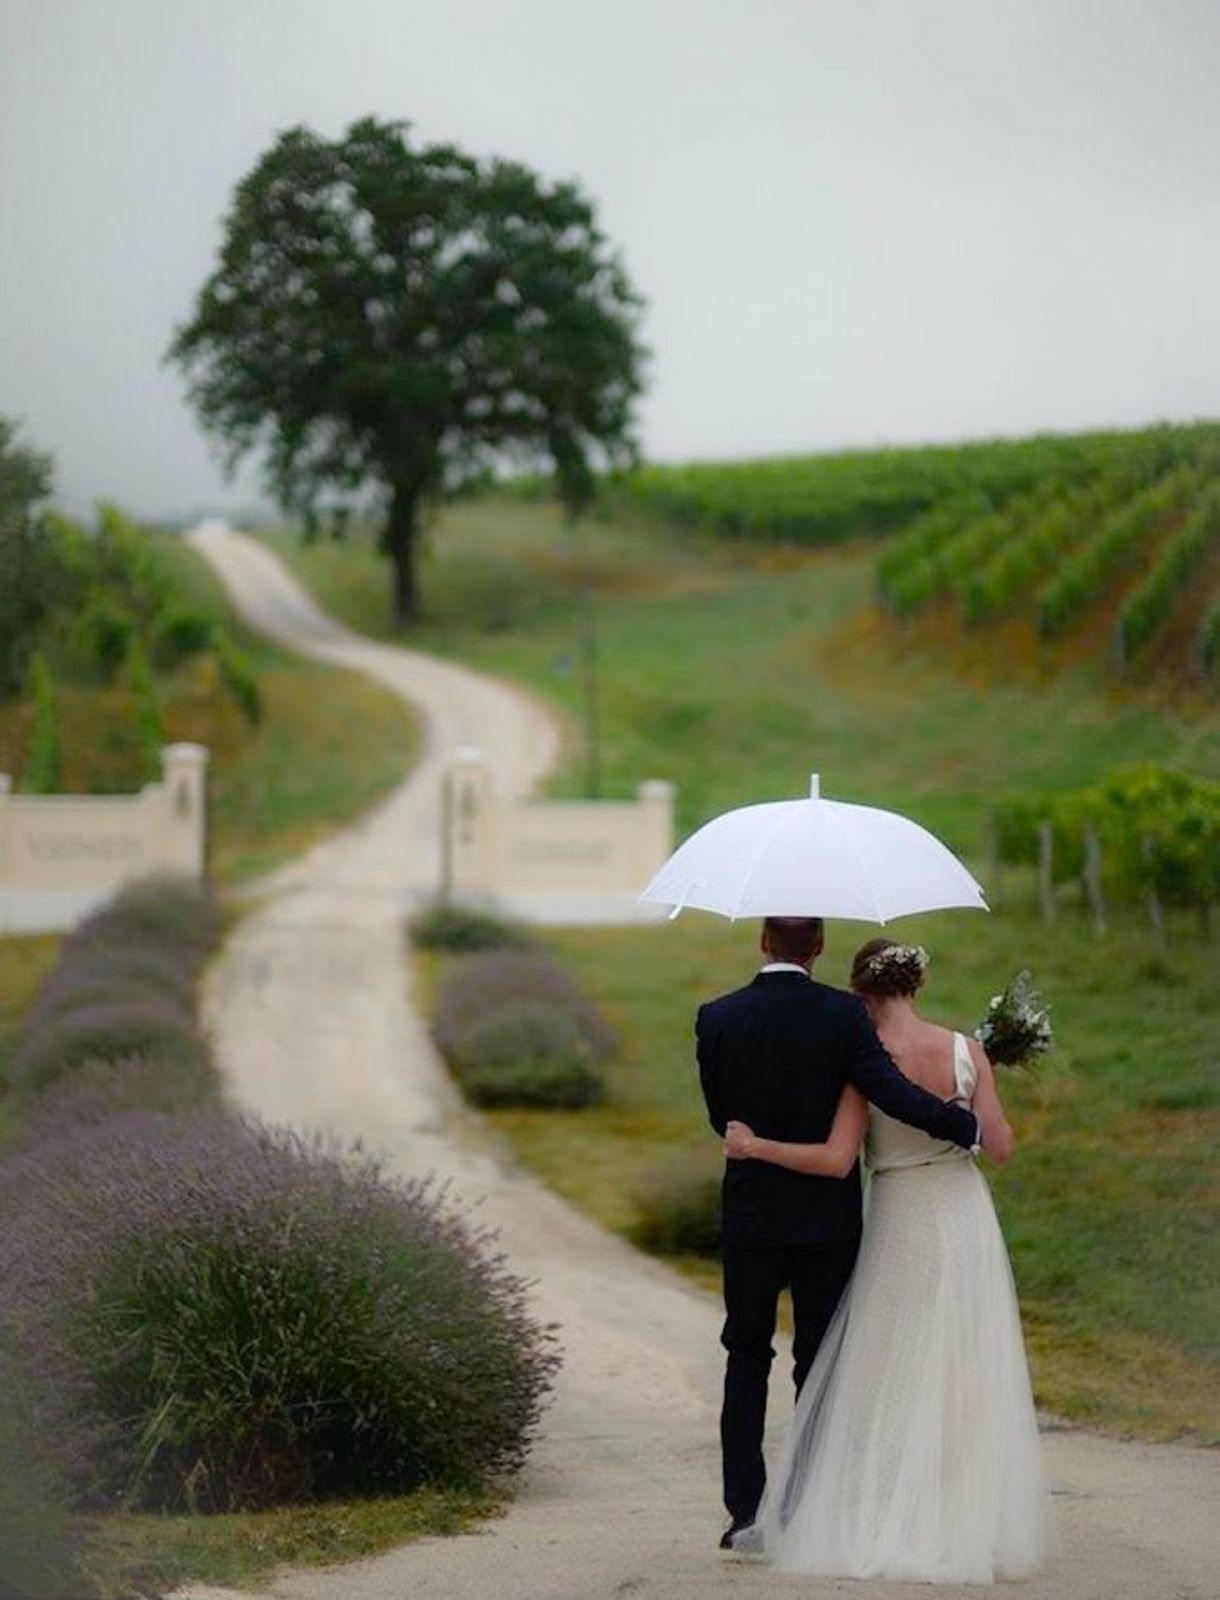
(869, 1067)
(709, 1077)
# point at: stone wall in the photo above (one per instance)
(574, 862)
(62, 855)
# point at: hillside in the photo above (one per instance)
(1042, 553)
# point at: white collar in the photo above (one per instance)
(784, 966)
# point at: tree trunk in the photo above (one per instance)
(400, 547)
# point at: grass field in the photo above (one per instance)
(160, 1553)
(733, 673)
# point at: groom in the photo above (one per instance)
(776, 1055)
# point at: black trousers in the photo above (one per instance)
(754, 1275)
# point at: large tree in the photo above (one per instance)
(406, 317)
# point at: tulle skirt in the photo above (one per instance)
(914, 1449)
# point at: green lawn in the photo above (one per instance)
(733, 673)
(247, 1550)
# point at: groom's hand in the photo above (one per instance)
(739, 1141)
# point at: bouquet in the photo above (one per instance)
(1017, 1028)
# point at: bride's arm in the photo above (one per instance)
(993, 1124)
(834, 1159)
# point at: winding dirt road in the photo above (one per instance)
(315, 1027)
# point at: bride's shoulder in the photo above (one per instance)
(937, 1033)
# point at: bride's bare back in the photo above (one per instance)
(922, 1051)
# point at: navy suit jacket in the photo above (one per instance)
(777, 1055)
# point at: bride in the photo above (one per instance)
(914, 1448)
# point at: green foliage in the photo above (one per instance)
(365, 280)
(527, 1053)
(859, 494)
(40, 772)
(1158, 830)
(238, 674)
(459, 930)
(104, 636)
(1151, 604)
(124, 566)
(178, 634)
(146, 708)
(1209, 640)
(31, 573)
(678, 1208)
(1111, 548)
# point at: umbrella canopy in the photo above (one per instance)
(813, 858)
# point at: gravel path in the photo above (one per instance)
(315, 1027)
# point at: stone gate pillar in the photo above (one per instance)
(184, 820)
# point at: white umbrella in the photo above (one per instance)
(813, 858)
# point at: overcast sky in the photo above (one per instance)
(854, 221)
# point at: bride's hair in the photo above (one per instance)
(883, 968)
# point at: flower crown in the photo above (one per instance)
(907, 960)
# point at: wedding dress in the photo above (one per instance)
(914, 1449)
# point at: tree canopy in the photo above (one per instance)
(29, 572)
(406, 318)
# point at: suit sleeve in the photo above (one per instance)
(709, 1077)
(869, 1067)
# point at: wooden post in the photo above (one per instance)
(1092, 879)
(1046, 870)
(1156, 912)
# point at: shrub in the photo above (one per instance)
(105, 1031)
(98, 973)
(456, 928)
(238, 676)
(147, 711)
(101, 1089)
(40, 774)
(178, 635)
(482, 985)
(678, 1210)
(124, 984)
(528, 1053)
(218, 1317)
(102, 638)
(173, 912)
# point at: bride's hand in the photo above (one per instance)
(739, 1141)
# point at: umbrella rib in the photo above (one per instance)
(780, 824)
(865, 874)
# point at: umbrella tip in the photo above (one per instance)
(815, 786)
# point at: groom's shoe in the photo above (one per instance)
(735, 1527)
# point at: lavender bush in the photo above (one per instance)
(99, 1090)
(172, 912)
(213, 1316)
(106, 1031)
(527, 1053)
(482, 985)
(678, 1209)
(124, 983)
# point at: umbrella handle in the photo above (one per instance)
(680, 905)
